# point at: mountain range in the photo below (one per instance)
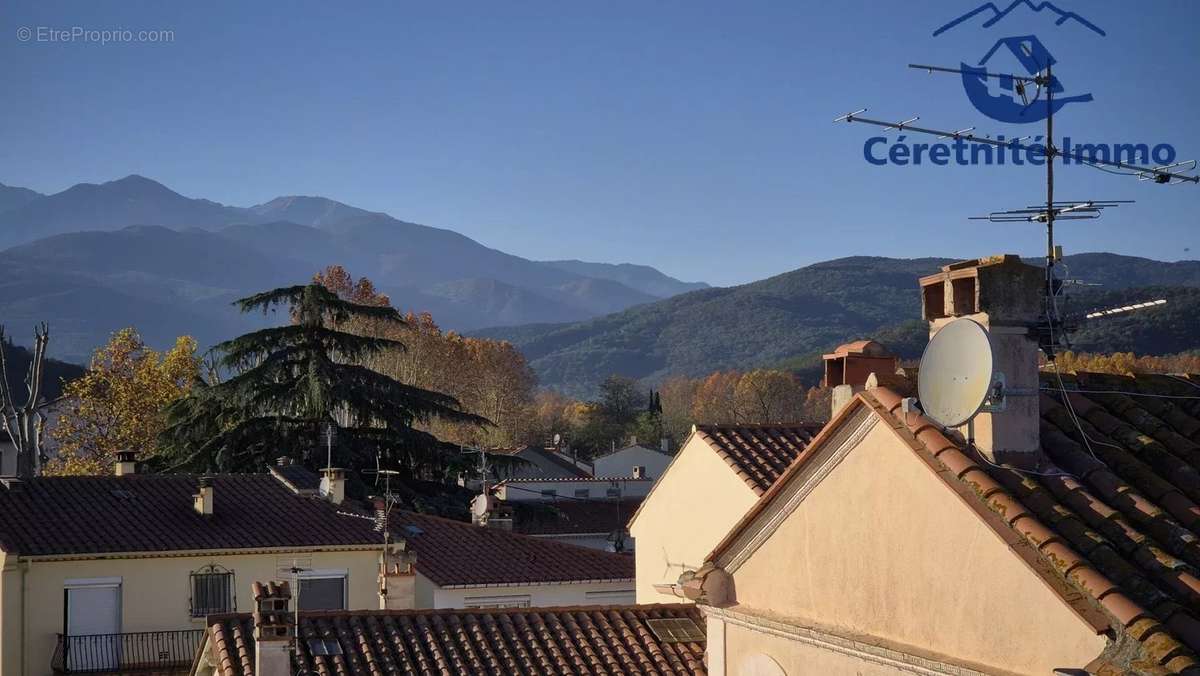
(96, 257)
(790, 319)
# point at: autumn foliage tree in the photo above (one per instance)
(120, 402)
(488, 378)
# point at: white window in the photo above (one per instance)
(322, 589)
(582, 493)
(92, 623)
(511, 601)
(550, 493)
(613, 492)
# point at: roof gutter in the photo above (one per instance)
(548, 583)
(180, 553)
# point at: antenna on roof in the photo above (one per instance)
(1052, 329)
(328, 436)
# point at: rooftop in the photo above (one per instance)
(577, 640)
(572, 517)
(454, 553)
(154, 512)
(1111, 518)
(759, 453)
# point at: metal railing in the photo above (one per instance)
(140, 651)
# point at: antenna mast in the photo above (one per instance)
(1052, 329)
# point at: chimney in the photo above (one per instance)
(1005, 297)
(274, 628)
(126, 463)
(203, 501)
(397, 577)
(639, 472)
(849, 365)
(665, 444)
(333, 484)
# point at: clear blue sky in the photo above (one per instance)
(691, 136)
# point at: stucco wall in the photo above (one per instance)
(882, 547)
(691, 508)
(623, 461)
(598, 593)
(154, 593)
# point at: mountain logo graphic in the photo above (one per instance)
(1017, 54)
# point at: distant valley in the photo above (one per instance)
(96, 257)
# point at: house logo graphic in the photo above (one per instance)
(1020, 54)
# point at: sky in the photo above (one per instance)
(695, 137)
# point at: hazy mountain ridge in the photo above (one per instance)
(138, 239)
(644, 278)
(791, 318)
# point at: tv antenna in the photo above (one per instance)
(328, 436)
(1051, 329)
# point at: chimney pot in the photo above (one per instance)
(274, 628)
(202, 502)
(126, 463)
(333, 485)
(1005, 297)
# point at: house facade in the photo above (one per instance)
(633, 460)
(119, 572)
(715, 478)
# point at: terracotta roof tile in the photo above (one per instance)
(453, 553)
(578, 640)
(1124, 527)
(759, 453)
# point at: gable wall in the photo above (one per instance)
(882, 547)
(691, 507)
(623, 461)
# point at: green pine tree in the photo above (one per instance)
(291, 382)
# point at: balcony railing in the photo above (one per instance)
(141, 651)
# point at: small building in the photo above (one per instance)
(716, 477)
(662, 639)
(634, 461)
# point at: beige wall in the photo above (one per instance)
(623, 461)
(691, 508)
(884, 548)
(154, 594)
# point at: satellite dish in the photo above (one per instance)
(955, 376)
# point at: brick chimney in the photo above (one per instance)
(274, 629)
(126, 463)
(1005, 297)
(203, 501)
(333, 484)
(397, 577)
(848, 366)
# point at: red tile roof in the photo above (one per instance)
(580, 640)
(453, 553)
(1113, 515)
(153, 512)
(759, 453)
(572, 517)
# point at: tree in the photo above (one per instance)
(768, 396)
(24, 423)
(120, 402)
(289, 382)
